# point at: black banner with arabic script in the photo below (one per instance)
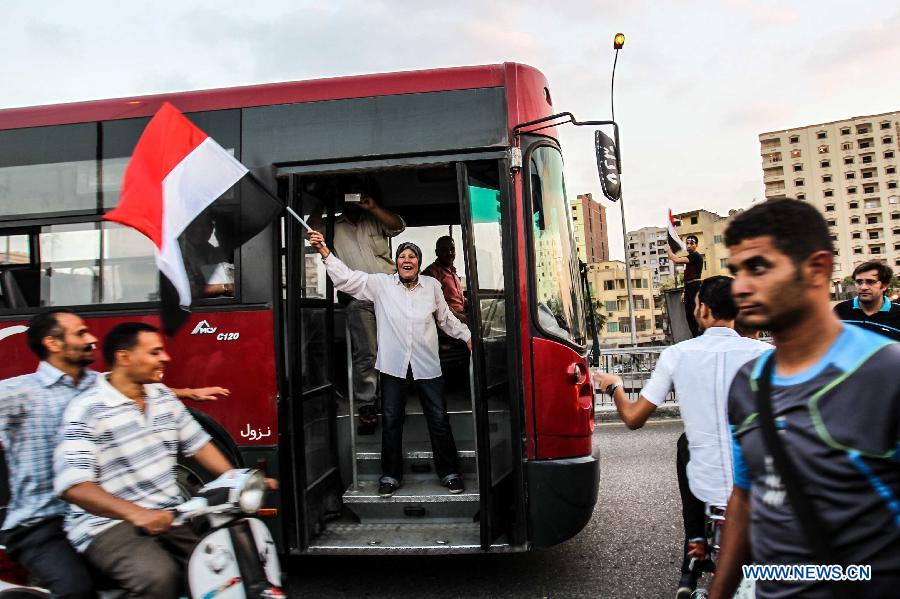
(608, 165)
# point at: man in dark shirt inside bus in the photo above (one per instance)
(692, 273)
(444, 271)
(872, 308)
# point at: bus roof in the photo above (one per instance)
(336, 88)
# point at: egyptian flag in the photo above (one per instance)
(195, 202)
(675, 243)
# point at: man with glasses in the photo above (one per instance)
(871, 308)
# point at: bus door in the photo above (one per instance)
(309, 324)
(486, 215)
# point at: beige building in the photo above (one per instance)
(709, 228)
(607, 281)
(591, 233)
(848, 170)
(647, 249)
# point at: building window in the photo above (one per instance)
(826, 178)
(873, 219)
(875, 249)
(851, 190)
(850, 175)
(847, 145)
(890, 170)
(892, 185)
(848, 159)
(889, 154)
(612, 327)
(894, 200)
(798, 182)
(885, 125)
(801, 196)
(872, 204)
(874, 234)
(862, 129)
(857, 250)
(865, 144)
(868, 189)
(823, 149)
(886, 139)
(717, 239)
(869, 174)
(825, 163)
(845, 130)
(856, 235)
(829, 208)
(795, 153)
(798, 168)
(794, 139)
(854, 220)
(829, 193)
(868, 159)
(821, 134)
(831, 223)
(853, 205)
(693, 220)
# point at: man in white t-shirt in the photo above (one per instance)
(701, 371)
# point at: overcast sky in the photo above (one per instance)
(695, 85)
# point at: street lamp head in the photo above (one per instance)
(618, 41)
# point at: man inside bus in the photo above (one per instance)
(444, 270)
(362, 240)
(700, 370)
(119, 476)
(409, 308)
(209, 267)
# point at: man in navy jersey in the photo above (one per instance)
(871, 308)
(835, 404)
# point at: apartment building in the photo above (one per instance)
(647, 249)
(709, 228)
(607, 282)
(591, 232)
(848, 170)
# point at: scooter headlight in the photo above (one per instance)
(253, 492)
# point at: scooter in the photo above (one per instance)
(235, 559)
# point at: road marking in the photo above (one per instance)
(655, 421)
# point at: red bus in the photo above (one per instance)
(444, 150)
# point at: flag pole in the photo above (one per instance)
(290, 210)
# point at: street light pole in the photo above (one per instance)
(618, 43)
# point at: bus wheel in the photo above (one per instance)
(190, 475)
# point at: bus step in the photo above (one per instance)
(417, 460)
(418, 500)
(414, 538)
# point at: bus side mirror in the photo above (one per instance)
(608, 165)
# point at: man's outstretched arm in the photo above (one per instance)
(633, 413)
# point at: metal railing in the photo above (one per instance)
(634, 365)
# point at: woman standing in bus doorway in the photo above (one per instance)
(408, 309)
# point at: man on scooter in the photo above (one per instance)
(116, 465)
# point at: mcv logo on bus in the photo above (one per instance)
(204, 328)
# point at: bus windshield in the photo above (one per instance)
(560, 304)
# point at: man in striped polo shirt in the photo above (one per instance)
(116, 465)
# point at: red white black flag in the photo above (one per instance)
(675, 243)
(170, 191)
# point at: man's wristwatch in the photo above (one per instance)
(610, 390)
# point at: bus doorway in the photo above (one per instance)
(338, 488)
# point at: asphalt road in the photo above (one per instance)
(631, 547)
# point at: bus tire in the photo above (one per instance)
(190, 475)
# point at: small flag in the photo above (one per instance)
(675, 243)
(169, 193)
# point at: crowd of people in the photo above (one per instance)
(797, 440)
